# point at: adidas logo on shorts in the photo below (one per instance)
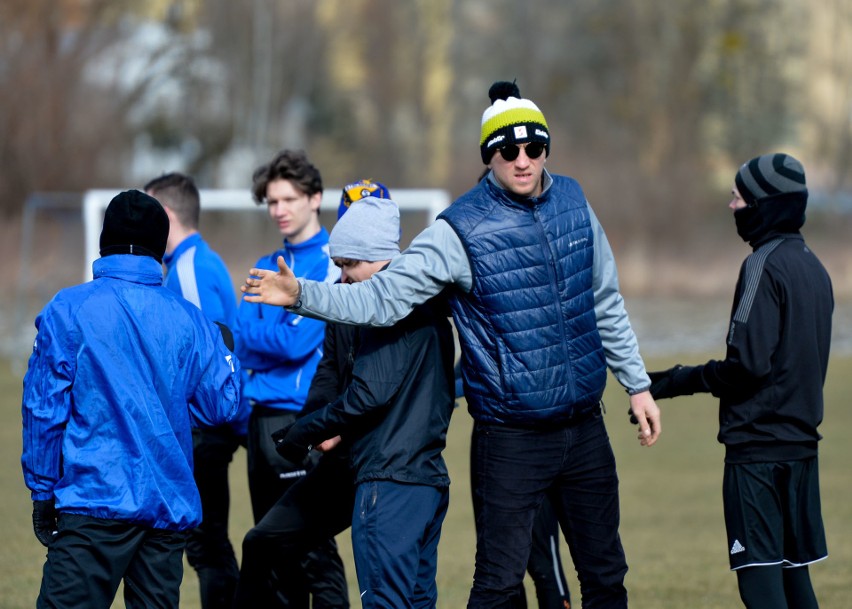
(737, 547)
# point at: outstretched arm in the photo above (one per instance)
(269, 287)
(435, 259)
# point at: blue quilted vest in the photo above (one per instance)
(531, 350)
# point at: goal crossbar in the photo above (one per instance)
(429, 200)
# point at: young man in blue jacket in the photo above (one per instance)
(120, 370)
(535, 298)
(319, 505)
(198, 273)
(394, 414)
(281, 350)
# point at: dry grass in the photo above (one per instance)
(672, 525)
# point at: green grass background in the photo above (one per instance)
(672, 525)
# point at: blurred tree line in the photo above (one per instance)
(651, 105)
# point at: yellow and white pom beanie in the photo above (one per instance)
(510, 119)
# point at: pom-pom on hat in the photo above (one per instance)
(510, 119)
(768, 175)
(368, 231)
(135, 223)
(357, 191)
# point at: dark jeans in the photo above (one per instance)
(291, 549)
(395, 532)
(89, 557)
(512, 469)
(208, 548)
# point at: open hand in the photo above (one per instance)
(269, 287)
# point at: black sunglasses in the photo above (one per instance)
(510, 152)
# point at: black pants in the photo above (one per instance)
(512, 470)
(208, 548)
(319, 573)
(89, 557)
(545, 564)
(313, 510)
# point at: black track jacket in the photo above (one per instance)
(396, 410)
(770, 383)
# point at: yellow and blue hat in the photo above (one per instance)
(358, 190)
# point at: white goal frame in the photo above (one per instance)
(431, 201)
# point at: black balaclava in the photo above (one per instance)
(774, 190)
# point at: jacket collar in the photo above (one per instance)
(546, 183)
(137, 269)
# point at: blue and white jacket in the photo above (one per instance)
(198, 273)
(120, 370)
(281, 349)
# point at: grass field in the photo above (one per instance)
(672, 526)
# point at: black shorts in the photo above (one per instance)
(772, 513)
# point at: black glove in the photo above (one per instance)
(44, 520)
(680, 380)
(633, 418)
(289, 447)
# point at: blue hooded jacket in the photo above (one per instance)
(120, 370)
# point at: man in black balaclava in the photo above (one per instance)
(770, 390)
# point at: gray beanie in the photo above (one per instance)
(368, 231)
(768, 175)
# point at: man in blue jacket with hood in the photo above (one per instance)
(121, 368)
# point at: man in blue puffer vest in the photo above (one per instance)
(535, 298)
(120, 370)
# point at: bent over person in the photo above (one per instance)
(120, 370)
(770, 390)
(318, 506)
(534, 294)
(394, 414)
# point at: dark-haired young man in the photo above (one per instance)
(198, 273)
(121, 368)
(536, 302)
(280, 350)
(319, 505)
(770, 390)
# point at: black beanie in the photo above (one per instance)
(768, 175)
(135, 223)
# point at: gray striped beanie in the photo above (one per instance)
(768, 175)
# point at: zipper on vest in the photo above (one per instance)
(554, 283)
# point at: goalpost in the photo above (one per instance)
(425, 200)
